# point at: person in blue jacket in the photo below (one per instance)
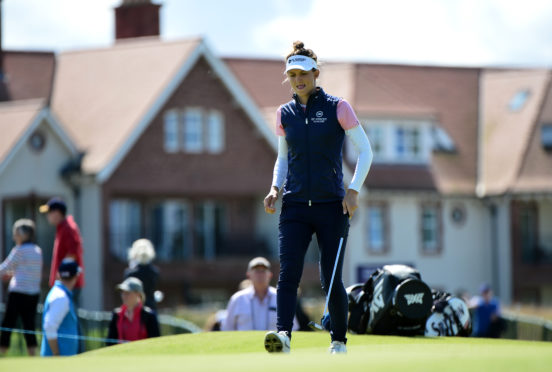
(59, 319)
(311, 129)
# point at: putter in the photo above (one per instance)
(312, 324)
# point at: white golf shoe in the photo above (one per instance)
(337, 347)
(277, 342)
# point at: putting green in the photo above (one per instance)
(244, 351)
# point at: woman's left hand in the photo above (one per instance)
(350, 202)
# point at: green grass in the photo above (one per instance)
(244, 352)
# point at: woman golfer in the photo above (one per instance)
(311, 129)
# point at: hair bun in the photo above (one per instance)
(298, 45)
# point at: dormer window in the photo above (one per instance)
(546, 136)
(518, 100)
(407, 142)
(399, 141)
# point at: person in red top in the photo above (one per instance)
(68, 241)
(133, 320)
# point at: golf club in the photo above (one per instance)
(313, 324)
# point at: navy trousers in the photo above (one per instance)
(298, 222)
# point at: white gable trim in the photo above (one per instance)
(44, 116)
(226, 77)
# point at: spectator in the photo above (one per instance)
(59, 319)
(487, 316)
(140, 257)
(253, 308)
(68, 241)
(132, 321)
(25, 262)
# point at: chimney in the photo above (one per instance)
(135, 18)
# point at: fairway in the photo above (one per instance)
(244, 351)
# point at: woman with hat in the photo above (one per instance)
(133, 320)
(311, 129)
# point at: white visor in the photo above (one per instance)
(300, 62)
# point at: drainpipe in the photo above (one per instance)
(494, 248)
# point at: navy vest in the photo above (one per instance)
(315, 143)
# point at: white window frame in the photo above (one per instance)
(172, 226)
(382, 133)
(193, 131)
(376, 136)
(409, 143)
(215, 139)
(171, 135)
(124, 225)
(431, 222)
(380, 246)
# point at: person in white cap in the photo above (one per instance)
(254, 307)
(311, 129)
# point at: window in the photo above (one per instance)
(193, 131)
(171, 131)
(124, 226)
(407, 142)
(401, 141)
(546, 136)
(518, 100)
(376, 138)
(169, 228)
(209, 227)
(215, 132)
(431, 228)
(377, 227)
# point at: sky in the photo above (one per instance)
(502, 33)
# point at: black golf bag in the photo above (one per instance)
(394, 300)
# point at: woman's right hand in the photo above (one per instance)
(270, 200)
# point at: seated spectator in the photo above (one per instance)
(140, 257)
(487, 320)
(132, 321)
(254, 307)
(59, 319)
(24, 268)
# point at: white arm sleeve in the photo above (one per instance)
(59, 307)
(364, 161)
(281, 166)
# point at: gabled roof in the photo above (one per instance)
(27, 74)
(106, 98)
(18, 120)
(512, 159)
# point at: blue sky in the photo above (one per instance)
(434, 32)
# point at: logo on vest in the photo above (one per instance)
(415, 298)
(319, 118)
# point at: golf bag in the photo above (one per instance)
(450, 316)
(394, 300)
